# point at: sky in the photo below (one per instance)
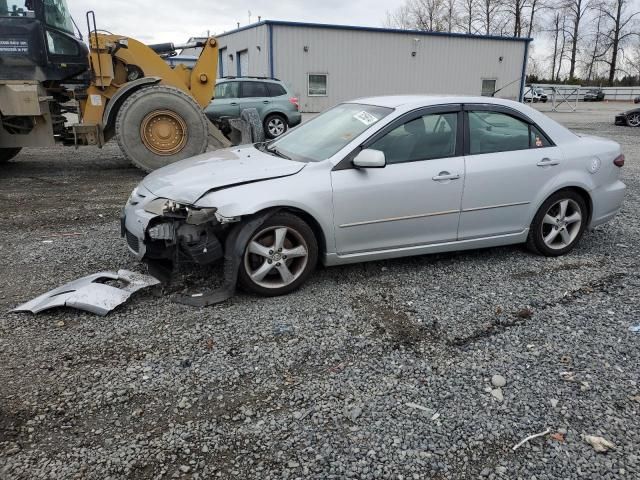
(155, 21)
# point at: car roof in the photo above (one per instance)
(416, 101)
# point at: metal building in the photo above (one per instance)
(327, 64)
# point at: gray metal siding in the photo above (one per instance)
(255, 41)
(361, 64)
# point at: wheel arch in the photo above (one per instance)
(111, 110)
(580, 190)
(313, 223)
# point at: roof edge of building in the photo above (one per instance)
(284, 23)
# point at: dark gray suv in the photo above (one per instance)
(276, 105)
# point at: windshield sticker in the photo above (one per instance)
(366, 118)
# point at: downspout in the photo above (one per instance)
(271, 67)
(524, 70)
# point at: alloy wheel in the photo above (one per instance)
(633, 119)
(561, 224)
(276, 257)
(276, 126)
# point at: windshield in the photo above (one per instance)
(16, 9)
(56, 14)
(325, 135)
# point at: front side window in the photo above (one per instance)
(56, 14)
(253, 89)
(423, 138)
(59, 44)
(329, 132)
(226, 90)
(317, 85)
(16, 9)
(491, 132)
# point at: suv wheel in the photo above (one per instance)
(275, 125)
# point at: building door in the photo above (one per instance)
(243, 63)
(222, 55)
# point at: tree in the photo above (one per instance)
(622, 26)
(490, 15)
(469, 15)
(427, 15)
(577, 10)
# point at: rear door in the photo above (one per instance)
(508, 162)
(254, 95)
(225, 103)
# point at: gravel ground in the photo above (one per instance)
(378, 370)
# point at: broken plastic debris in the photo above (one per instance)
(635, 328)
(91, 293)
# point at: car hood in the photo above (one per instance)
(188, 180)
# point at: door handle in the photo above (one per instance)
(446, 176)
(547, 162)
(233, 104)
(266, 101)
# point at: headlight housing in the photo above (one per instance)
(170, 208)
(167, 208)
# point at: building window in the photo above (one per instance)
(317, 85)
(488, 87)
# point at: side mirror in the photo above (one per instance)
(369, 158)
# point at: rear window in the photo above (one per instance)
(275, 90)
(254, 89)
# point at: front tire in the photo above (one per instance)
(633, 119)
(279, 257)
(275, 125)
(7, 154)
(558, 225)
(159, 125)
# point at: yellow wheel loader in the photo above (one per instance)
(116, 88)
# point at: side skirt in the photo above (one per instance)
(331, 259)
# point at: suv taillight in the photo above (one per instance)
(619, 161)
(294, 100)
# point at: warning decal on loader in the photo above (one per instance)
(14, 46)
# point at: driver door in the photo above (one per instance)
(415, 199)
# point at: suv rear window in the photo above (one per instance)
(253, 89)
(275, 90)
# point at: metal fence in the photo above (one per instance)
(576, 92)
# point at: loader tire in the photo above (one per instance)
(159, 125)
(7, 154)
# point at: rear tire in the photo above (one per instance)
(279, 257)
(559, 224)
(7, 154)
(275, 125)
(159, 125)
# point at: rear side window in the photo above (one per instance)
(226, 90)
(537, 139)
(491, 132)
(275, 90)
(253, 89)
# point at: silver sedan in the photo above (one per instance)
(378, 178)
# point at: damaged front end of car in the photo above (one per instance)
(166, 234)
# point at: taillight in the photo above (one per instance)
(619, 161)
(294, 100)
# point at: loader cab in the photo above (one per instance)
(38, 42)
